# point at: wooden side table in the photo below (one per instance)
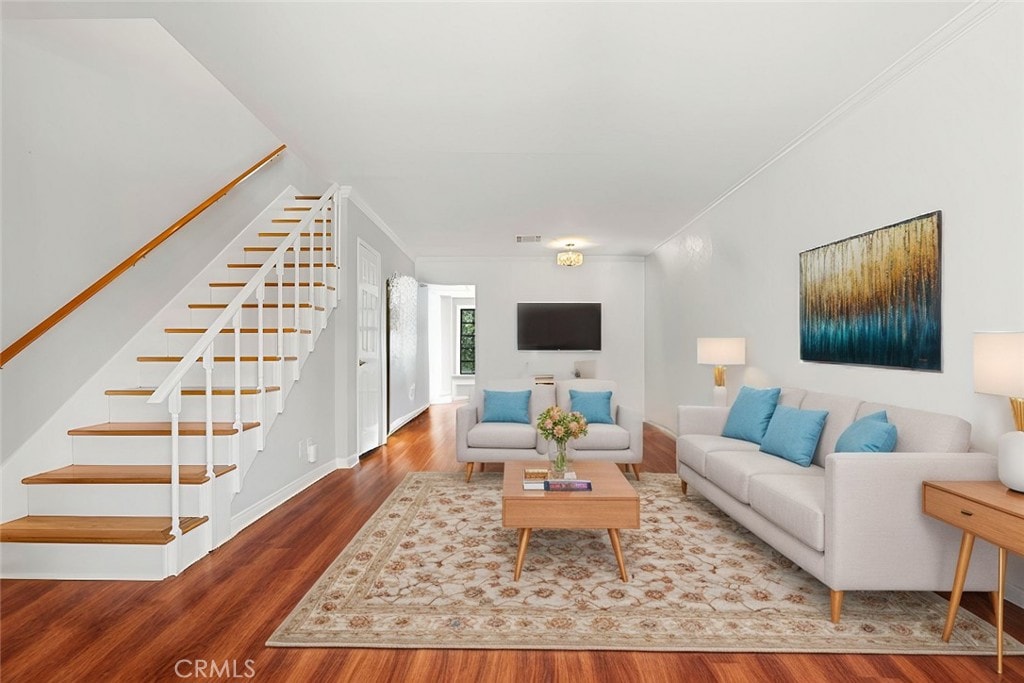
(988, 510)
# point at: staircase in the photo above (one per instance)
(149, 492)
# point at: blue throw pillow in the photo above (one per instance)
(507, 406)
(750, 414)
(871, 434)
(596, 406)
(793, 434)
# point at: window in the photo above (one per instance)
(467, 341)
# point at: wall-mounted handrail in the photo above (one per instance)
(64, 311)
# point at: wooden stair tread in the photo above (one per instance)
(216, 359)
(285, 234)
(307, 197)
(229, 330)
(125, 474)
(190, 391)
(297, 208)
(82, 529)
(270, 248)
(265, 305)
(190, 428)
(287, 264)
(298, 220)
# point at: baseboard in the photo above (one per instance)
(407, 418)
(258, 509)
(347, 463)
(1014, 594)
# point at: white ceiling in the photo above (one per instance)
(610, 124)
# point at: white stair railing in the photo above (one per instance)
(203, 349)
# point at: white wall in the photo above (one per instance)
(618, 283)
(111, 132)
(949, 136)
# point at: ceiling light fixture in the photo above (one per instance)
(569, 258)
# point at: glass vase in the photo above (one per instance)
(559, 459)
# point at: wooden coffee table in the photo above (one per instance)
(612, 505)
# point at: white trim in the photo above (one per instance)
(357, 199)
(407, 418)
(938, 40)
(252, 513)
(348, 462)
(663, 429)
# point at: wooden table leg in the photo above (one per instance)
(524, 539)
(999, 610)
(963, 561)
(614, 535)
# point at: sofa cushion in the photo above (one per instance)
(563, 387)
(507, 406)
(870, 434)
(842, 411)
(793, 434)
(731, 470)
(750, 413)
(602, 437)
(919, 431)
(794, 503)
(692, 449)
(502, 435)
(595, 406)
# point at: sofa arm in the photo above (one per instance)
(702, 419)
(876, 535)
(633, 422)
(465, 419)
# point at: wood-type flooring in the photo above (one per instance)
(211, 622)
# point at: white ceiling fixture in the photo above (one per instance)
(569, 257)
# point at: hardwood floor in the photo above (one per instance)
(211, 622)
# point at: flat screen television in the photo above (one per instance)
(558, 326)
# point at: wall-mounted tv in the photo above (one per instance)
(559, 326)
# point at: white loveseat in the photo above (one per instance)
(852, 520)
(482, 442)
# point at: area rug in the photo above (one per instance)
(432, 568)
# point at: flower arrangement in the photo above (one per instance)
(561, 426)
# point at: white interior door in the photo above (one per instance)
(369, 384)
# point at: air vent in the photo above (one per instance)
(527, 239)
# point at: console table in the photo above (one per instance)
(988, 510)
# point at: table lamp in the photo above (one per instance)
(721, 351)
(999, 369)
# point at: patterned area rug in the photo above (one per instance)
(433, 569)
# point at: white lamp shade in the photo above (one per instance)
(999, 363)
(721, 350)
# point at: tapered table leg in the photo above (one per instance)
(524, 539)
(963, 561)
(614, 535)
(999, 610)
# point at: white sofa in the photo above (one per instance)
(852, 520)
(483, 442)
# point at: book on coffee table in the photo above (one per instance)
(567, 485)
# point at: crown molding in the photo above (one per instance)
(358, 200)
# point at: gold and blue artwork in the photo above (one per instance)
(876, 298)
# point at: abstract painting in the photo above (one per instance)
(876, 298)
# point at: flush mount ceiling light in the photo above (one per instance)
(569, 257)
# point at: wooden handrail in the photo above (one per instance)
(66, 310)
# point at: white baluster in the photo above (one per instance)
(323, 260)
(208, 371)
(261, 294)
(174, 406)
(295, 296)
(340, 223)
(236, 439)
(280, 331)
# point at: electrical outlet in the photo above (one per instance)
(311, 450)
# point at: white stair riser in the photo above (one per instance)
(152, 374)
(224, 344)
(84, 561)
(113, 499)
(153, 450)
(204, 317)
(137, 409)
(223, 295)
